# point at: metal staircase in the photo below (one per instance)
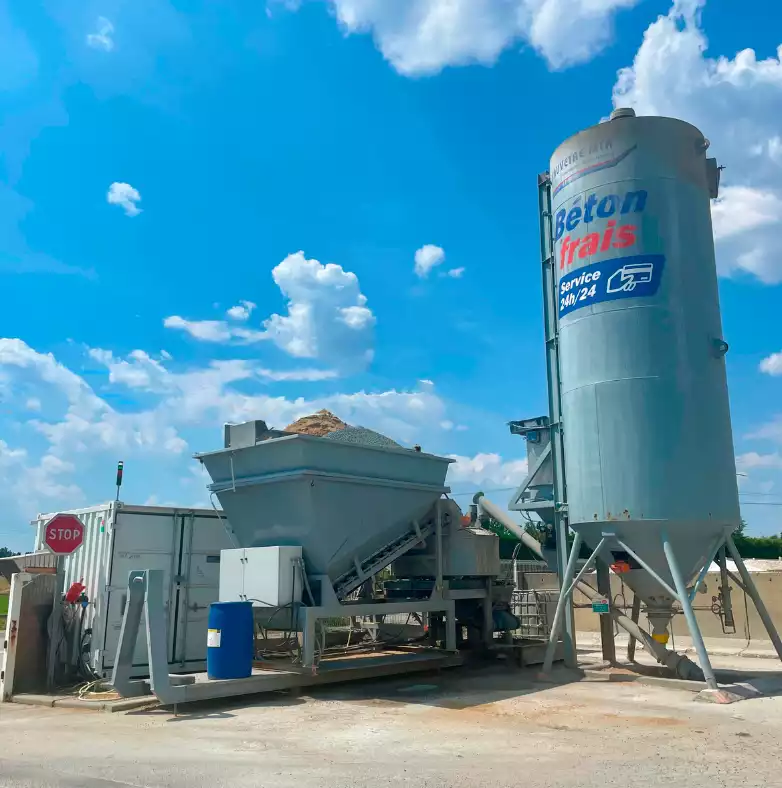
(380, 559)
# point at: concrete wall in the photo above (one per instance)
(747, 627)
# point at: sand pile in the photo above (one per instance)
(324, 424)
(318, 424)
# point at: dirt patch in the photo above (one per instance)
(633, 719)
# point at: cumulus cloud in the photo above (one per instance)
(771, 431)
(241, 311)
(327, 317)
(205, 330)
(737, 103)
(88, 421)
(420, 37)
(124, 195)
(65, 455)
(772, 365)
(102, 39)
(208, 395)
(487, 469)
(456, 273)
(427, 257)
(752, 460)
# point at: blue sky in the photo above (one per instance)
(355, 180)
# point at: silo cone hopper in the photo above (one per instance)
(352, 508)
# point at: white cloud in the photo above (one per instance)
(737, 103)
(207, 395)
(241, 311)
(33, 403)
(456, 273)
(102, 39)
(487, 469)
(205, 330)
(141, 371)
(88, 421)
(124, 195)
(65, 456)
(772, 431)
(9, 456)
(327, 316)
(772, 365)
(426, 258)
(752, 460)
(424, 36)
(298, 374)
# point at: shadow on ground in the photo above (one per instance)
(447, 689)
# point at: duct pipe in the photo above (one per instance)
(501, 516)
(682, 666)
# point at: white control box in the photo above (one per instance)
(265, 576)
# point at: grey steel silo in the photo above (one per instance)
(645, 413)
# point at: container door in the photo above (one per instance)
(141, 541)
(197, 588)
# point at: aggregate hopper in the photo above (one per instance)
(352, 508)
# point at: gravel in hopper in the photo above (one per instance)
(363, 437)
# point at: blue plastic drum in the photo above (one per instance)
(229, 642)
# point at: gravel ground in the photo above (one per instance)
(459, 729)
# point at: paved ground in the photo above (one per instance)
(488, 727)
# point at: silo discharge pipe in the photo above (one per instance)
(501, 516)
(682, 666)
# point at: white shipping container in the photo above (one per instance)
(119, 538)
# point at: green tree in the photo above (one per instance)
(769, 547)
(6, 553)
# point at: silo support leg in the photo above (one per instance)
(689, 615)
(565, 598)
(634, 616)
(751, 588)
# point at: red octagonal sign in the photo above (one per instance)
(64, 534)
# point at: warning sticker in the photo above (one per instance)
(213, 638)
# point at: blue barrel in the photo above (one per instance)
(229, 642)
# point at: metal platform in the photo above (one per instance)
(355, 668)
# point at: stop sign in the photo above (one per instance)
(64, 534)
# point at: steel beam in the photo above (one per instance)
(752, 590)
(565, 599)
(692, 624)
(607, 642)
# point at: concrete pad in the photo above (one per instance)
(480, 728)
(74, 702)
(30, 699)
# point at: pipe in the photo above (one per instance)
(683, 667)
(501, 516)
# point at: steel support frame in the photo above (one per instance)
(607, 641)
(549, 281)
(309, 616)
(145, 597)
(566, 592)
(750, 587)
(684, 600)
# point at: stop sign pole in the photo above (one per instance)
(63, 534)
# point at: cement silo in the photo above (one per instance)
(644, 419)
